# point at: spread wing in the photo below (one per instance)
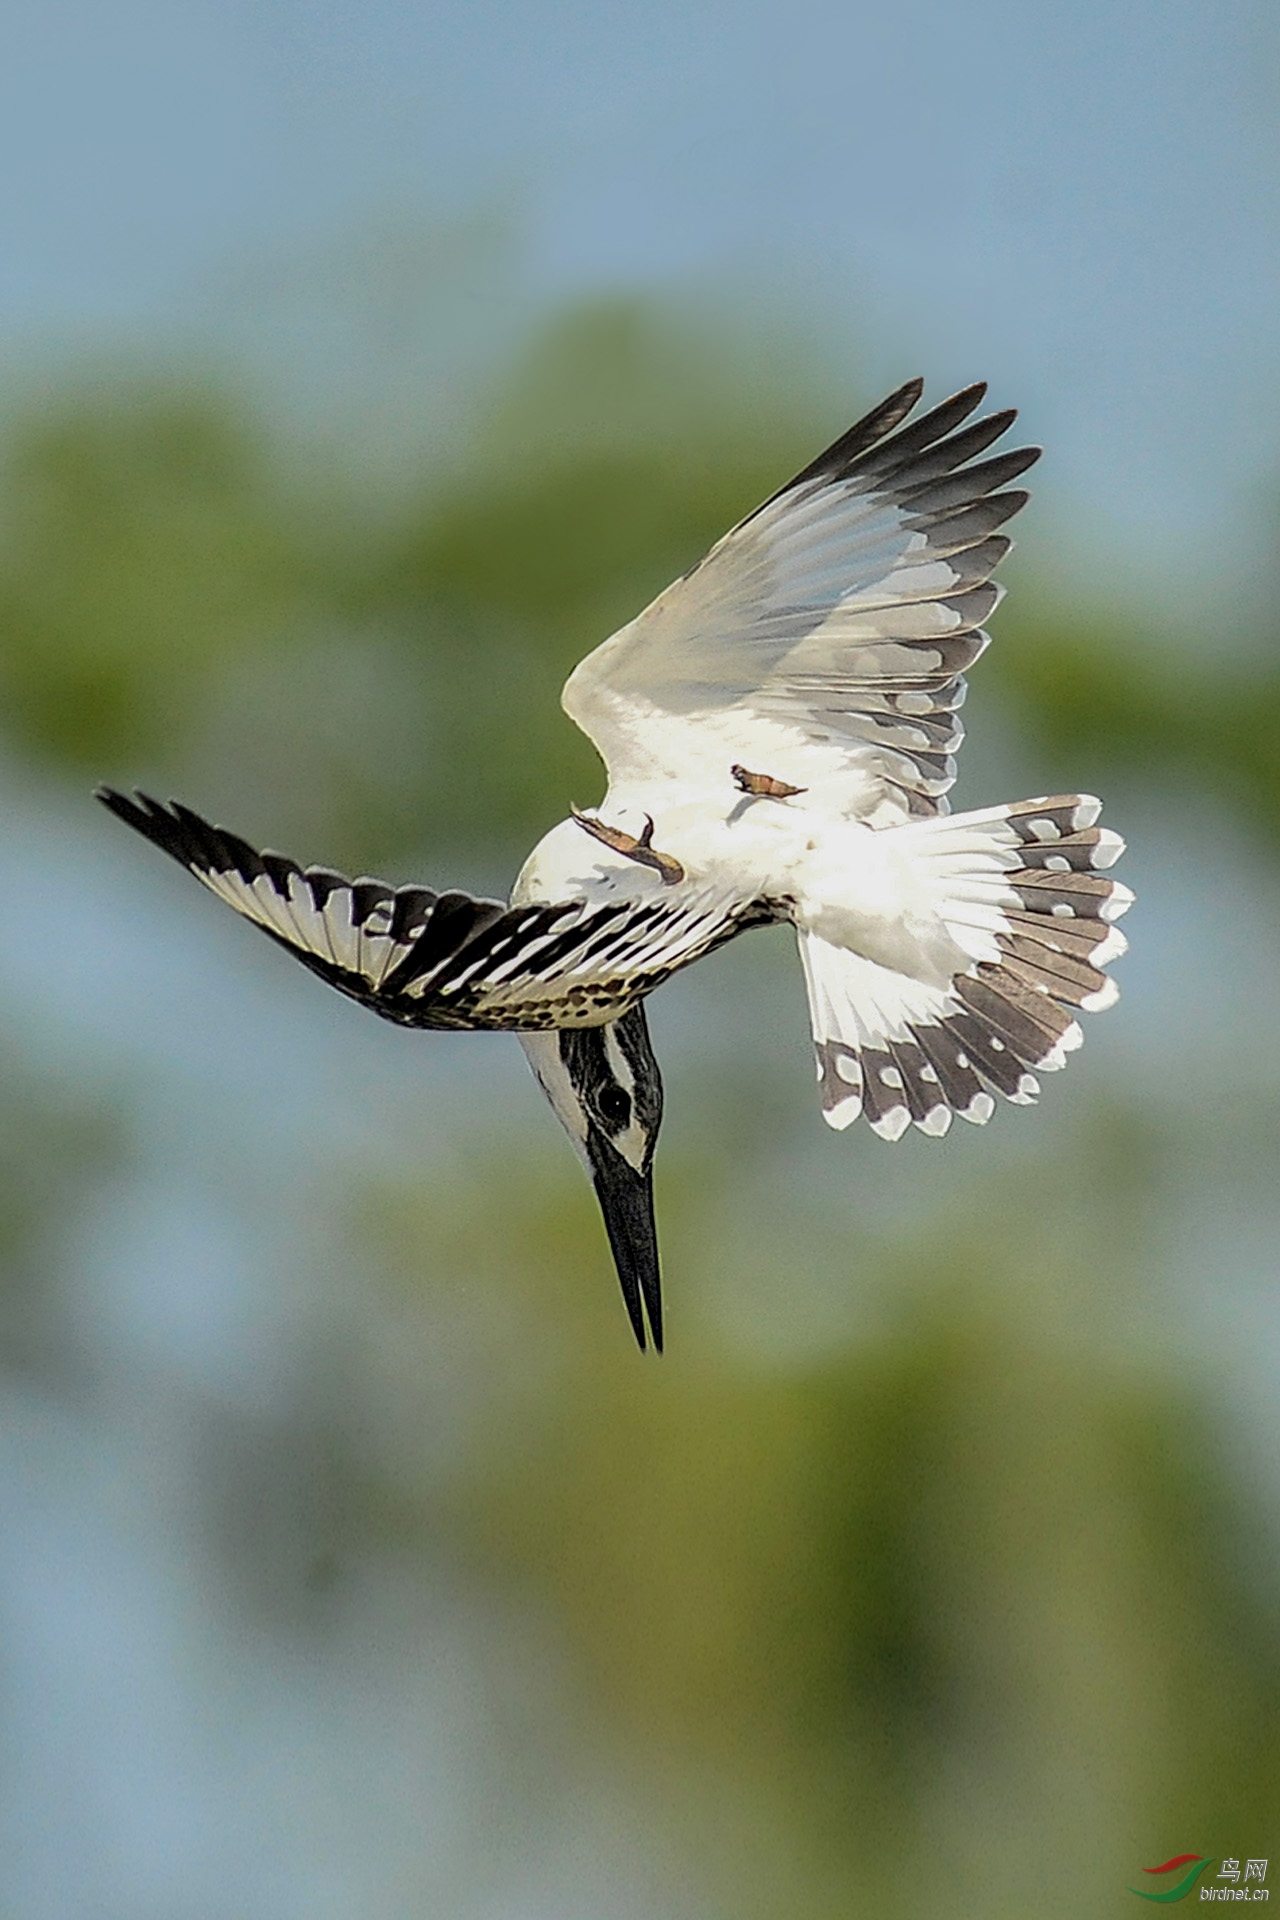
(427, 959)
(826, 637)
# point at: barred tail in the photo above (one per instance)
(1021, 892)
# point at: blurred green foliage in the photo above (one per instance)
(960, 1617)
(957, 1619)
(172, 593)
(1104, 698)
(142, 550)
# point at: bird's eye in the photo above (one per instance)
(615, 1106)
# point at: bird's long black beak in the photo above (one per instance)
(626, 1201)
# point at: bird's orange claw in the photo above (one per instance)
(641, 850)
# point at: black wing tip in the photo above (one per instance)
(902, 399)
(887, 414)
(881, 436)
(183, 834)
(1010, 501)
(137, 803)
(125, 805)
(155, 819)
(865, 433)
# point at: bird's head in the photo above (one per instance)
(605, 1086)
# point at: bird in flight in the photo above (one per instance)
(778, 729)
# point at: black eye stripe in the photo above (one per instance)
(596, 1077)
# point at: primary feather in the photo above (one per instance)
(830, 629)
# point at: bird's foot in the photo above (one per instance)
(763, 785)
(641, 850)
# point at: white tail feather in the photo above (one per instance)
(1020, 892)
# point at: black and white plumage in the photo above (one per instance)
(778, 728)
(446, 960)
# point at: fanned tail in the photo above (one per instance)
(1022, 892)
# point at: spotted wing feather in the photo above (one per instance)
(451, 960)
(829, 632)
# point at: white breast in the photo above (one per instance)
(746, 848)
(568, 864)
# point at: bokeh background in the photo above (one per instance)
(363, 365)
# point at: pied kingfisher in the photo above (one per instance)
(778, 729)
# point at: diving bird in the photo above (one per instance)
(778, 729)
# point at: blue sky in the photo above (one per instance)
(1080, 201)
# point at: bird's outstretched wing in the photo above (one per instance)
(826, 636)
(449, 960)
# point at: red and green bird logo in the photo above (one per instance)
(1195, 1864)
